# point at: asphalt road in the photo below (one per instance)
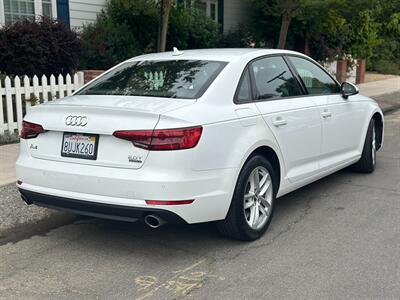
(336, 238)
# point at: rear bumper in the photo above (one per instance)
(128, 189)
(96, 209)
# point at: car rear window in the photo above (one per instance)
(186, 79)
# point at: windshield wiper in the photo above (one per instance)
(276, 77)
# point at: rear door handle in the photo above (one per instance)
(326, 114)
(279, 122)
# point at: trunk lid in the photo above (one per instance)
(103, 115)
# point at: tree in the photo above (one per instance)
(105, 44)
(328, 29)
(166, 6)
(126, 28)
(322, 28)
(288, 9)
(191, 29)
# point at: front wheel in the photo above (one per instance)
(367, 162)
(253, 201)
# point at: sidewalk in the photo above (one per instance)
(381, 87)
(8, 157)
(385, 92)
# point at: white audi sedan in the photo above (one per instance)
(196, 136)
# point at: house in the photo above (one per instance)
(228, 13)
(75, 13)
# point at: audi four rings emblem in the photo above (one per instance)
(76, 121)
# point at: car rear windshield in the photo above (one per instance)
(187, 79)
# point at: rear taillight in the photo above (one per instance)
(30, 130)
(162, 139)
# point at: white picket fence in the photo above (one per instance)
(18, 94)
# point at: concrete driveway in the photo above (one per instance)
(336, 238)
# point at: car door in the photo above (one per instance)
(342, 119)
(293, 118)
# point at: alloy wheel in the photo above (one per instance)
(258, 198)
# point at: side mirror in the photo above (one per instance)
(348, 89)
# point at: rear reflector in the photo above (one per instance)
(30, 130)
(159, 202)
(162, 139)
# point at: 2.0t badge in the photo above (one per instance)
(135, 159)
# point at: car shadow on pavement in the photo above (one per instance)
(204, 239)
(198, 239)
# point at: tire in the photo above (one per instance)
(250, 201)
(367, 162)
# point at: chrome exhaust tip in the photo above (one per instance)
(153, 221)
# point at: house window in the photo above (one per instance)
(208, 7)
(17, 9)
(213, 11)
(46, 8)
(211, 7)
(26, 9)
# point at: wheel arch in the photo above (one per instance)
(270, 154)
(379, 128)
(274, 157)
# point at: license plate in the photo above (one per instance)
(80, 145)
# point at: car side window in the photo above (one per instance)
(316, 80)
(244, 91)
(273, 79)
